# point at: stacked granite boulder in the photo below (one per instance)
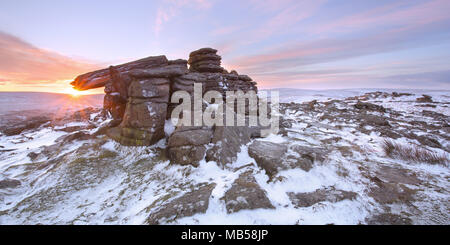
(205, 60)
(148, 97)
(138, 98)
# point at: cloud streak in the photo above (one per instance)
(172, 8)
(389, 15)
(410, 27)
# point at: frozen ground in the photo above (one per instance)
(90, 179)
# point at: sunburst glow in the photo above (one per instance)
(77, 93)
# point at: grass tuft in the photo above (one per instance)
(413, 153)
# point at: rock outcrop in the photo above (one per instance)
(138, 97)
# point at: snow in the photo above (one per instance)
(124, 189)
(169, 127)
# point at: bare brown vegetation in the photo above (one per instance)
(413, 153)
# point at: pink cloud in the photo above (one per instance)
(280, 16)
(22, 63)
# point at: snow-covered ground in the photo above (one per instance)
(98, 181)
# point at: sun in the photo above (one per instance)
(75, 93)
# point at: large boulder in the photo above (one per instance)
(100, 78)
(190, 136)
(142, 113)
(156, 89)
(187, 145)
(145, 114)
(168, 71)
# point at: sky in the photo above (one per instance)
(320, 44)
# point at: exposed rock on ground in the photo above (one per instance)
(388, 219)
(390, 192)
(74, 174)
(226, 143)
(369, 106)
(273, 157)
(28, 124)
(80, 135)
(245, 193)
(191, 203)
(269, 156)
(320, 195)
(9, 183)
(425, 99)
